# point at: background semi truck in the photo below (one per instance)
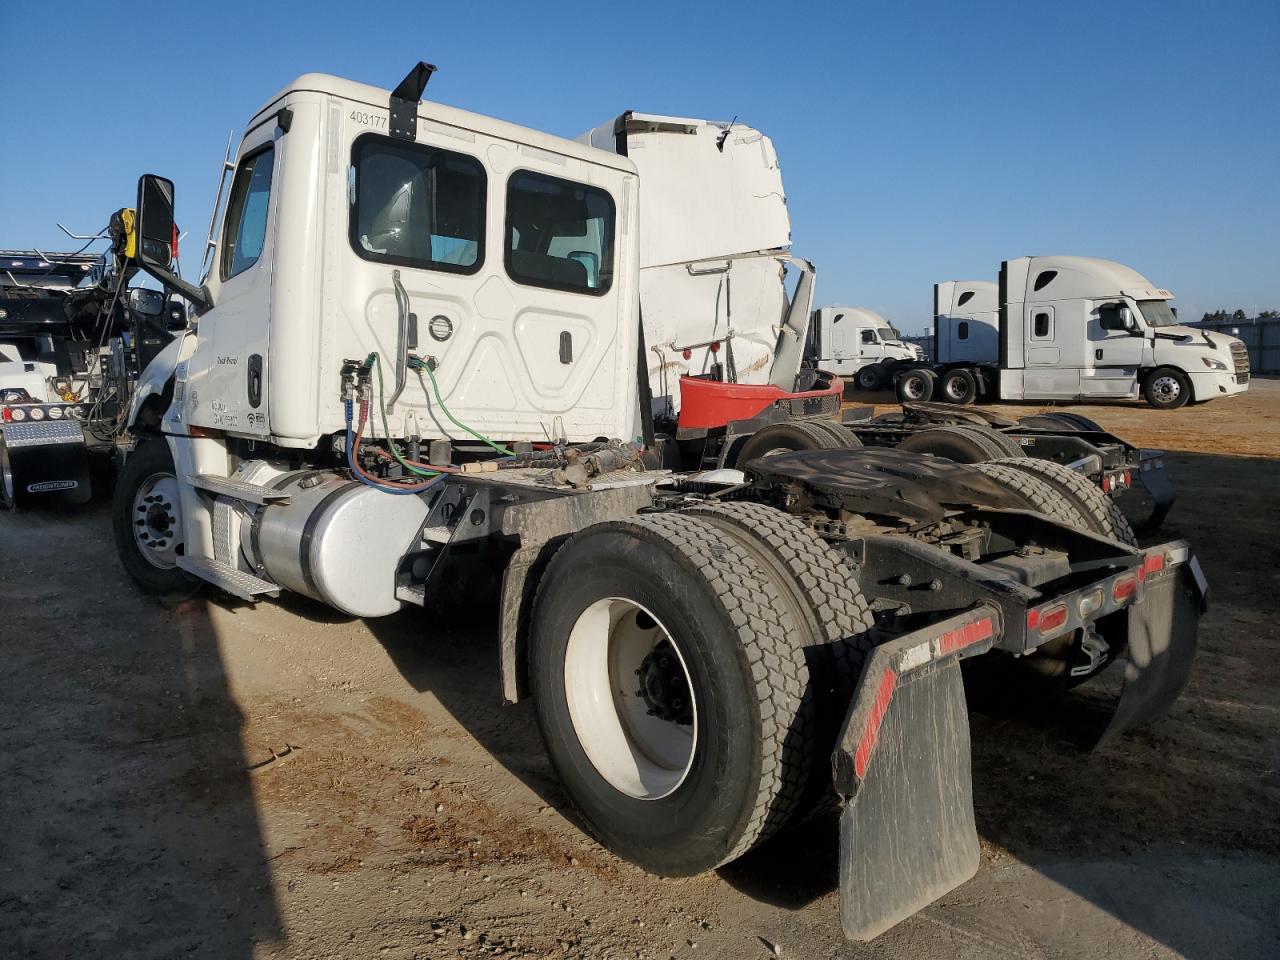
(404, 368)
(73, 338)
(1068, 328)
(858, 343)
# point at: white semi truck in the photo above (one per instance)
(859, 343)
(1069, 328)
(420, 347)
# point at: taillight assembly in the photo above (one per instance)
(1048, 620)
(1124, 588)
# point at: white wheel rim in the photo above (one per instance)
(955, 389)
(1166, 388)
(155, 518)
(914, 388)
(614, 648)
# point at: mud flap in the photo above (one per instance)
(1161, 645)
(46, 462)
(907, 833)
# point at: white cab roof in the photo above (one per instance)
(379, 98)
(1090, 277)
(858, 315)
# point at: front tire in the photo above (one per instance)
(147, 522)
(1167, 388)
(669, 682)
(870, 377)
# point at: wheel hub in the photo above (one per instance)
(664, 687)
(1166, 388)
(155, 521)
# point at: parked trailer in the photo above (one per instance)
(1069, 328)
(706, 653)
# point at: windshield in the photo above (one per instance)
(888, 333)
(1158, 313)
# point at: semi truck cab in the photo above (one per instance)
(1065, 328)
(857, 342)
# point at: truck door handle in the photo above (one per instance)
(402, 337)
(1097, 354)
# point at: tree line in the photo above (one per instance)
(1222, 316)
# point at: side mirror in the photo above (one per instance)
(156, 232)
(1127, 321)
(157, 237)
(146, 303)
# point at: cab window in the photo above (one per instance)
(246, 221)
(416, 206)
(868, 336)
(559, 234)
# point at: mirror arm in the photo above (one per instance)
(197, 295)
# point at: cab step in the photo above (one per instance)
(238, 489)
(226, 577)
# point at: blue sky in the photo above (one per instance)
(919, 141)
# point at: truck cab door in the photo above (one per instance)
(1115, 354)
(870, 349)
(227, 376)
(1045, 376)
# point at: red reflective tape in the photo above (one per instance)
(965, 636)
(871, 733)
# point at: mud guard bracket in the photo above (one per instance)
(907, 833)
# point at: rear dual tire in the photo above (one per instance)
(734, 626)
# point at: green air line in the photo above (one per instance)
(420, 365)
(391, 444)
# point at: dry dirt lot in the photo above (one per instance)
(227, 780)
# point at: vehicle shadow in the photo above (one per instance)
(130, 827)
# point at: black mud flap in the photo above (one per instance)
(1151, 474)
(1162, 640)
(907, 833)
(46, 463)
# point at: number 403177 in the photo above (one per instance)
(368, 119)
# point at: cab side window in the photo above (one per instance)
(559, 234)
(245, 231)
(868, 336)
(416, 206)
(1109, 317)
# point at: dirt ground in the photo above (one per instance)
(227, 780)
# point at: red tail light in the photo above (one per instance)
(1048, 619)
(688, 354)
(1124, 588)
(1154, 564)
(715, 346)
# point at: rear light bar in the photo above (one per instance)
(38, 412)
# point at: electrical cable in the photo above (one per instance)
(358, 472)
(420, 365)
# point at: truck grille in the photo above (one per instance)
(1240, 354)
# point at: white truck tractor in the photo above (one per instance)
(859, 343)
(419, 350)
(1070, 328)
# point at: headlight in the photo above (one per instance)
(55, 413)
(1213, 364)
(17, 416)
(37, 413)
